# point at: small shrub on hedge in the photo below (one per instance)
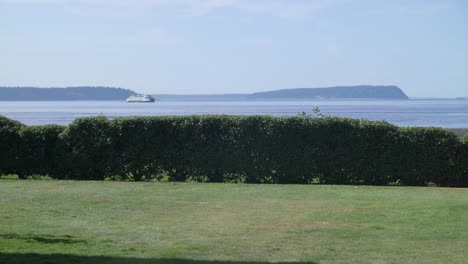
(464, 139)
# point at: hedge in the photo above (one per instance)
(85, 150)
(462, 163)
(465, 139)
(38, 151)
(251, 149)
(9, 145)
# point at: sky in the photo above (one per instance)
(236, 46)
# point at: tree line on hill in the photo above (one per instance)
(340, 92)
(250, 149)
(84, 93)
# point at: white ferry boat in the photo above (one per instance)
(140, 98)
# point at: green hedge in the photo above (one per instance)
(85, 149)
(465, 139)
(463, 162)
(39, 150)
(9, 145)
(252, 149)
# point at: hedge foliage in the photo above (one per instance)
(465, 139)
(252, 149)
(9, 145)
(39, 150)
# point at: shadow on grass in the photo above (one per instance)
(43, 239)
(16, 258)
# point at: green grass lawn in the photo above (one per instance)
(122, 222)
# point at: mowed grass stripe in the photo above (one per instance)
(123, 222)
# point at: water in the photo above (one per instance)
(441, 113)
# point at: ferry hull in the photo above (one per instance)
(140, 99)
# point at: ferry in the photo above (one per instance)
(140, 98)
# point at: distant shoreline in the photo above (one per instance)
(88, 93)
(91, 93)
(253, 101)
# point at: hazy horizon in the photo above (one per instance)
(236, 46)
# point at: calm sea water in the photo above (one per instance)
(442, 113)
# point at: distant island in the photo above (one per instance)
(339, 92)
(83, 93)
(88, 93)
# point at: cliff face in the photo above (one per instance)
(342, 92)
(85, 93)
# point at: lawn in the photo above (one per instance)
(189, 223)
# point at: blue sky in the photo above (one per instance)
(236, 46)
